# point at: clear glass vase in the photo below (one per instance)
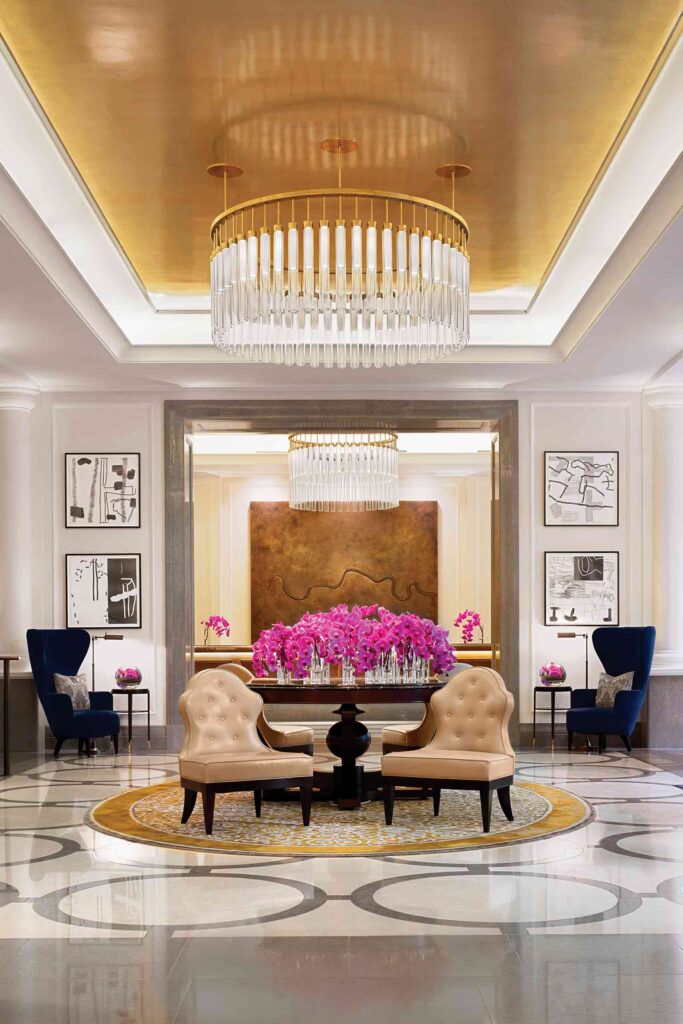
(319, 672)
(348, 672)
(283, 675)
(422, 672)
(408, 671)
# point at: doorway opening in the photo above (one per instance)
(236, 549)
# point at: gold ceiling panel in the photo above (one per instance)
(144, 94)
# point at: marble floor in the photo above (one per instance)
(583, 927)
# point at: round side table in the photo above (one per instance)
(552, 690)
(130, 693)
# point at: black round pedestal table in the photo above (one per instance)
(348, 739)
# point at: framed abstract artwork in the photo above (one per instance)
(582, 588)
(581, 488)
(102, 490)
(103, 591)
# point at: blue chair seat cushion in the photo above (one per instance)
(92, 724)
(592, 720)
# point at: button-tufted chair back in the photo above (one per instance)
(472, 712)
(241, 671)
(219, 712)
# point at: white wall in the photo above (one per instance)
(598, 420)
(90, 425)
(590, 423)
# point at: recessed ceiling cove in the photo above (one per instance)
(145, 95)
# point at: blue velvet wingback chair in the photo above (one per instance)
(620, 649)
(63, 651)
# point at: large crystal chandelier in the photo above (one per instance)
(338, 472)
(356, 278)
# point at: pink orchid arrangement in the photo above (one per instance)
(215, 624)
(127, 676)
(468, 621)
(363, 636)
(409, 636)
(552, 673)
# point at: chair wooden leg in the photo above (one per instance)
(627, 743)
(208, 803)
(81, 746)
(115, 741)
(436, 800)
(258, 794)
(602, 742)
(388, 792)
(485, 798)
(188, 805)
(570, 740)
(505, 802)
(58, 747)
(306, 793)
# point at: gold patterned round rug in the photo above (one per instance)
(152, 815)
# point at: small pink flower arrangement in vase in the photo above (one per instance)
(467, 622)
(127, 678)
(552, 674)
(215, 624)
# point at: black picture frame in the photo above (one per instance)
(614, 454)
(568, 623)
(101, 526)
(102, 625)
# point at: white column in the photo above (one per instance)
(16, 516)
(665, 502)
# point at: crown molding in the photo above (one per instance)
(17, 399)
(664, 398)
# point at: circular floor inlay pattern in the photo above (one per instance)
(614, 790)
(648, 813)
(102, 775)
(492, 899)
(31, 849)
(650, 845)
(152, 815)
(180, 901)
(580, 772)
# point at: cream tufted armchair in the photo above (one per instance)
(412, 737)
(288, 738)
(222, 751)
(470, 749)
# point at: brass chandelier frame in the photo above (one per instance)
(437, 219)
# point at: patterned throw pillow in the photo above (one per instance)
(609, 687)
(76, 687)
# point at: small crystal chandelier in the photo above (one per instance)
(316, 294)
(343, 472)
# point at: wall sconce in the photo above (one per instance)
(572, 636)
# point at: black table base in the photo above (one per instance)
(348, 784)
(348, 740)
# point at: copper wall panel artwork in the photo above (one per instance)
(311, 561)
